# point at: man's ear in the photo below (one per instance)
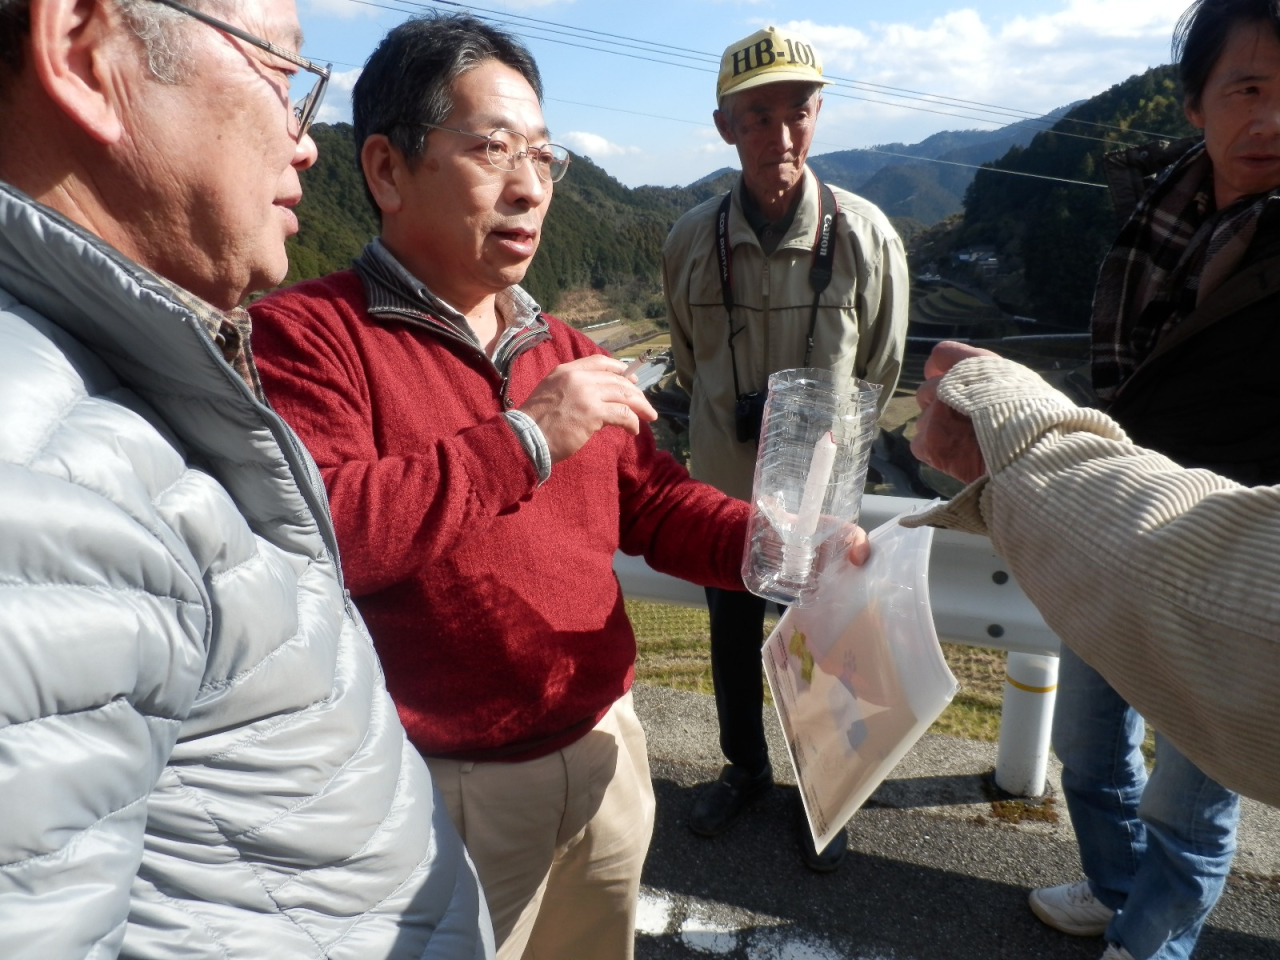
(724, 127)
(74, 51)
(1194, 113)
(384, 166)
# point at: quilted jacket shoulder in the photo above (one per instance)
(198, 756)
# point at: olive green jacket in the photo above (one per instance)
(861, 326)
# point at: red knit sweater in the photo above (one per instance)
(492, 601)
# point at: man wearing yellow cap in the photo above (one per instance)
(781, 272)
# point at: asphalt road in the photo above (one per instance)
(934, 870)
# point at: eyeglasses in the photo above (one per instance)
(506, 149)
(305, 109)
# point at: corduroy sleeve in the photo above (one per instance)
(1165, 580)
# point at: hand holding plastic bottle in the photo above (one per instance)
(945, 439)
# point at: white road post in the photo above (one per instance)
(1030, 689)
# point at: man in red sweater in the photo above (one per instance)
(483, 463)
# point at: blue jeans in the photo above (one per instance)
(1157, 850)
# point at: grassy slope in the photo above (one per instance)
(673, 650)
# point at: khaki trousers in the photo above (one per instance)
(559, 842)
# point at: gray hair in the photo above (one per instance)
(161, 31)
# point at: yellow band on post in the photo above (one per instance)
(1023, 686)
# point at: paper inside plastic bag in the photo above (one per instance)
(857, 675)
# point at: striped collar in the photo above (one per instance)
(390, 288)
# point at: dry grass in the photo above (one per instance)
(657, 344)
(583, 306)
(674, 651)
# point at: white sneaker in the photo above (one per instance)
(1072, 908)
(1115, 952)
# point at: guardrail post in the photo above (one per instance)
(1030, 689)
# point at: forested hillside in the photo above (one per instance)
(335, 219)
(1060, 232)
(918, 189)
(604, 236)
(598, 233)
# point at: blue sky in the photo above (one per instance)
(1031, 55)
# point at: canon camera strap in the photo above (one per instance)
(820, 271)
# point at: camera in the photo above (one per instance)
(748, 413)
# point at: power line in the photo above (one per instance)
(615, 36)
(580, 46)
(966, 116)
(976, 166)
(1049, 127)
(659, 48)
(1010, 111)
(893, 91)
(634, 113)
(836, 146)
(709, 58)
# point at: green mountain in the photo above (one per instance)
(900, 180)
(598, 233)
(923, 192)
(1059, 232)
(335, 220)
(602, 235)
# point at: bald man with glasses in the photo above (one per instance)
(198, 755)
(484, 462)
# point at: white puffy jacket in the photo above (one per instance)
(198, 755)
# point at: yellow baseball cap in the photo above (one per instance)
(767, 56)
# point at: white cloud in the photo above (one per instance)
(709, 143)
(594, 146)
(1029, 62)
(337, 99)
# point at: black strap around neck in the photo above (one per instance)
(820, 270)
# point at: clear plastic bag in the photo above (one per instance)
(857, 675)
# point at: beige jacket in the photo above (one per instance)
(861, 326)
(1165, 580)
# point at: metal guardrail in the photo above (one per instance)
(976, 602)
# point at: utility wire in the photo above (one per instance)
(976, 166)
(1047, 127)
(580, 46)
(1026, 114)
(657, 47)
(634, 113)
(601, 33)
(836, 146)
(709, 59)
(966, 116)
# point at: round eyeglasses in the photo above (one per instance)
(304, 109)
(506, 149)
